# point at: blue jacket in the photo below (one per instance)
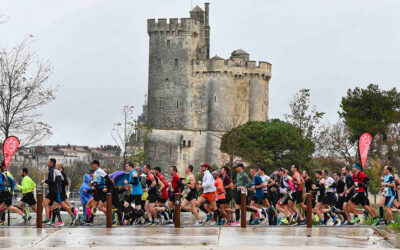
(3, 183)
(85, 197)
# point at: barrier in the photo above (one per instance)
(39, 210)
(309, 210)
(243, 203)
(109, 210)
(177, 211)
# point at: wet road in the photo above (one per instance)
(360, 237)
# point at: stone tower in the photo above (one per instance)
(192, 97)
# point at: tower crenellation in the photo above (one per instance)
(173, 25)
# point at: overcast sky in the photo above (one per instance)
(99, 50)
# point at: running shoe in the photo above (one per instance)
(349, 223)
(302, 222)
(316, 218)
(209, 216)
(259, 213)
(334, 219)
(381, 222)
(27, 215)
(263, 212)
(355, 220)
(59, 224)
(278, 222)
(212, 223)
(336, 223)
(255, 222)
(295, 217)
(221, 222)
(343, 223)
(375, 221)
(1, 223)
(73, 220)
(235, 224)
(320, 223)
(47, 221)
(284, 221)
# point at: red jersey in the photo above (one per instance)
(164, 192)
(175, 183)
(358, 181)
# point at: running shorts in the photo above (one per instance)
(209, 196)
(192, 195)
(29, 199)
(283, 200)
(221, 202)
(52, 197)
(137, 199)
(6, 197)
(258, 201)
(152, 198)
(329, 199)
(339, 202)
(99, 195)
(360, 199)
(389, 201)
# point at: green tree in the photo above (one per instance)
(272, 143)
(370, 110)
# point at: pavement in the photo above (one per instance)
(165, 238)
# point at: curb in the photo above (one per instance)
(392, 238)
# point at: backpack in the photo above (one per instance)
(6, 181)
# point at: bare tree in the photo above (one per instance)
(23, 91)
(334, 143)
(238, 118)
(129, 135)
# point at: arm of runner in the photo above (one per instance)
(272, 183)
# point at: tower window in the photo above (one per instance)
(189, 143)
(215, 99)
(183, 143)
(168, 43)
(160, 103)
(170, 150)
(176, 61)
(177, 104)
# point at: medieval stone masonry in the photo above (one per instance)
(193, 98)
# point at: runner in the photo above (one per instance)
(297, 197)
(286, 189)
(243, 182)
(349, 193)
(257, 201)
(340, 196)
(209, 189)
(360, 180)
(328, 200)
(135, 194)
(175, 187)
(268, 182)
(100, 189)
(319, 190)
(388, 192)
(162, 208)
(85, 195)
(54, 180)
(228, 185)
(189, 194)
(6, 192)
(153, 189)
(221, 201)
(27, 187)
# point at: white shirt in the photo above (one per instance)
(265, 179)
(208, 183)
(329, 182)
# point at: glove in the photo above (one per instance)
(59, 198)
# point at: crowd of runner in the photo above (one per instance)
(147, 198)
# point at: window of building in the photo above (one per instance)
(170, 150)
(176, 61)
(189, 143)
(215, 99)
(160, 103)
(177, 104)
(183, 143)
(168, 43)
